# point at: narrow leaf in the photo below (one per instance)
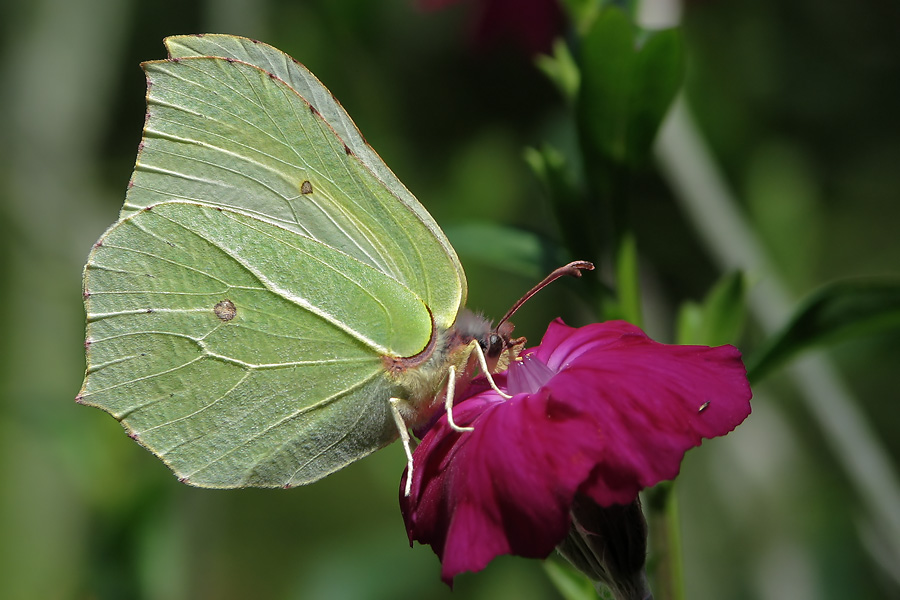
(581, 228)
(720, 319)
(839, 311)
(723, 311)
(657, 77)
(607, 66)
(627, 280)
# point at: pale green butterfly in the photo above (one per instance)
(273, 304)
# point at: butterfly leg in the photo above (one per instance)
(404, 437)
(482, 361)
(451, 386)
(448, 400)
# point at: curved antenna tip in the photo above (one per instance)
(573, 269)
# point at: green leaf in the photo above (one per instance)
(506, 248)
(582, 12)
(720, 319)
(607, 66)
(839, 311)
(561, 69)
(549, 166)
(688, 323)
(629, 77)
(658, 74)
(628, 281)
(569, 582)
(582, 229)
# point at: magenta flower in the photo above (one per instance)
(596, 414)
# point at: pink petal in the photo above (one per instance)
(650, 402)
(616, 415)
(504, 488)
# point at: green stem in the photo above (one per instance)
(665, 543)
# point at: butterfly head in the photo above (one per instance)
(497, 343)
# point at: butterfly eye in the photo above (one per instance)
(495, 346)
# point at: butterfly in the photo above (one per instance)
(272, 304)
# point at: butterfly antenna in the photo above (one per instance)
(573, 268)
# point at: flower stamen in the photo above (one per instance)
(527, 375)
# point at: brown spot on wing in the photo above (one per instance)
(225, 310)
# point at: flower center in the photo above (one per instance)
(527, 375)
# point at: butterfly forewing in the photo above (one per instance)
(228, 133)
(300, 79)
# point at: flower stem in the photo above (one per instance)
(665, 543)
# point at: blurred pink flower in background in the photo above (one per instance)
(530, 24)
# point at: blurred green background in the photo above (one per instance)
(799, 102)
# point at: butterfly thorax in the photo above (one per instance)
(424, 377)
